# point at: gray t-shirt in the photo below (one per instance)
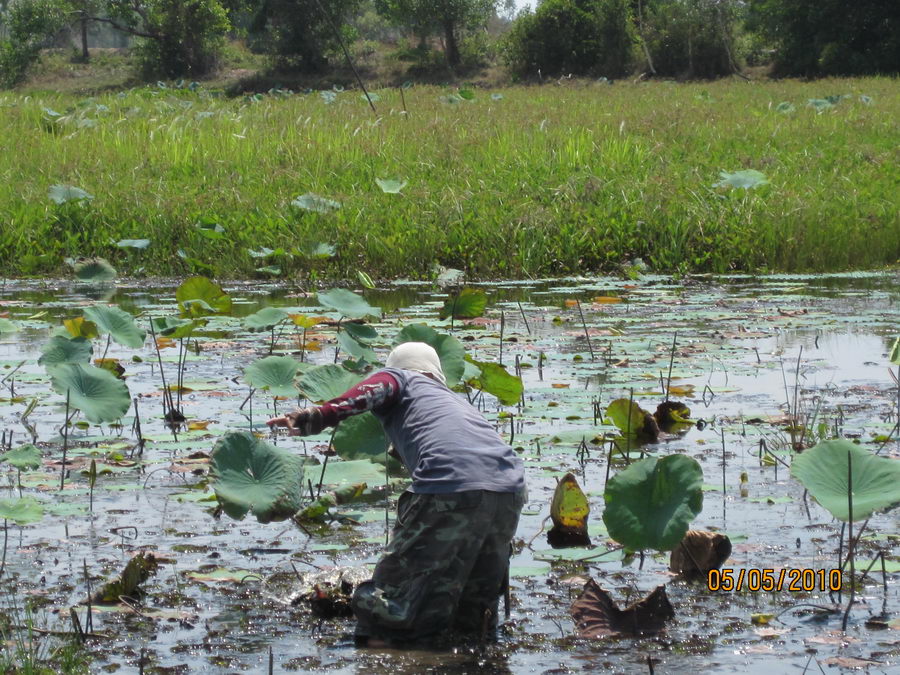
(444, 442)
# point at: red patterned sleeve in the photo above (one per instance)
(378, 391)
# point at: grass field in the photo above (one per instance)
(528, 181)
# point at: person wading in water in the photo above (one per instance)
(447, 562)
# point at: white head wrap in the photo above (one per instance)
(417, 356)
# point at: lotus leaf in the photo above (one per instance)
(313, 202)
(390, 185)
(361, 332)
(21, 511)
(94, 270)
(569, 511)
(324, 383)
(140, 244)
(24, 458)
(118, 323)
(79, 327)
(494, 379)
(60, 194)
(93, 391)
(632, 420)
(199, 296)
(274, 374)
(355, 348)
(362, 437)
(650, 504)
(210, 229)
(449, 349)
(265, 319)
(348, 303)
(175, 327)
(322, 250)
(345, 473)
(7, 326)
(822, 470)
(61, 349)
(249, 475)
(469, 303)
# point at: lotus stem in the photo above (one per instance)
(671, 361)
(584, 325)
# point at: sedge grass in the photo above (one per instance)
(541, 182)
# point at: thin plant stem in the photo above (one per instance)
(850, 551)
(584, 325)
(62, 470)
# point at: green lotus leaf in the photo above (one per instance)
(361, 332)
(175, 327)
(822, 470)
(313, 202)
(118, 323)
(348, 303)
(650, 504)
(322, 250)
(449, 349)
(894, 356)
(469, 303)
(251, 476)
(21, 511)
(355, 348)
(210, 229)
(746, 179)
(390, 185)
(345, 472)
(60, 194)
(323, 383)
(94, 270)
(139, 244)
(7, 326)
(199, 296)
(365, 279)
(265, 319)
(362, 437)
(93, 391)
(274, 374)
(61, 349)
(494, 379)
(24, 458)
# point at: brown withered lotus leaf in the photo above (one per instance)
(699, 552)
(596, 615)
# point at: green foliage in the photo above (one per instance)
(494, 379)
(650, 504)
(30, 24)
(469, 303)
(94, 391)
(362, 437)
(94, 270)
(830, 37)
(7, 326)
(22, 511)
(823, 471)
(61, 349)
(251, 476)
(745, 179)
(324, 383)
(118, 323)
(274, 374)
(199, 296)
(579, 37)
(449, 349)
(23, 458)
(265, 319)
(347, 303)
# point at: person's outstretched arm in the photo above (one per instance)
(376, 391)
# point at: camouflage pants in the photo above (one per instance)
(446, 564)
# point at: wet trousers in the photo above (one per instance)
(445, 565)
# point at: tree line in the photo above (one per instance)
(595, 38)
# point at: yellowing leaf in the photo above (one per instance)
(606, 300)
(81, 327)
(164, 342)
(198, 425)
(306, 321)
(571, 303)
(569, 507)
(560, 385)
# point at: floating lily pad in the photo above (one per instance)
(823, 471)
(650, 504)
(93, 391)
(24, 458)
(251, 476)
(7, 326)
(118, 323)
(344, 472)
(21, 511)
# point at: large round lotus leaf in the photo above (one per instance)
(7, 326)
(343, 473)
(469, 303)
(494, 379)
(324, 383)
(23, 458)
(249, 475)
(362, 437)
(21, 511)
(94, 269)
(361, 332)
(355, 348)
(650, 504)
(94, 391)
(265, 319)
(449, 349)
(274, 374)
(348, 303)
(199, 296)
(118, 323)
(823, 472)
(61, 349)
(175, 327)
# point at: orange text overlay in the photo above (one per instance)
(755, 579)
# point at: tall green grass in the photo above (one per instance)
(544, 181)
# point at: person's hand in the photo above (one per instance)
(302, 422)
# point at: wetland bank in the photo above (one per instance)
(771, 365)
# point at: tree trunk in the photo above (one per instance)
(452, 47)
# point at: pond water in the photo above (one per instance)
(747, 351)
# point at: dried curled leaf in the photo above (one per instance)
(596, 615)
(140, 568)
(699, 552)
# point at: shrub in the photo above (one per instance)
(30, 25)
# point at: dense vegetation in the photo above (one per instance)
(608, 38)
(536, 181)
